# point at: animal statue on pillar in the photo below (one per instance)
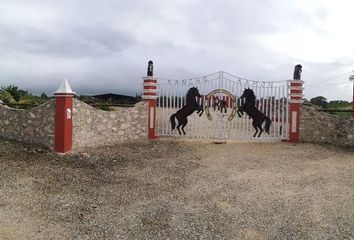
(297, 72)
(191, 106)
(150, 69)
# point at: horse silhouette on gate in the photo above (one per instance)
(257, 116)
(182, 114)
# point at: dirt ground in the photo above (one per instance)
(178, 190)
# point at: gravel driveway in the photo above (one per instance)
(178, 190)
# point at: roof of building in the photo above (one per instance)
(112, 95)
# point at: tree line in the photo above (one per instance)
(322, 103)
(13, 95)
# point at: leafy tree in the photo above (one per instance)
(44, 96)
(15, 92)
(305, 101)
(12, 94)
(319, 101)
(27, 99)
(6, 97)
(339, 104)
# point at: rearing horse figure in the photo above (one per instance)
(250, 108)
(191, 106)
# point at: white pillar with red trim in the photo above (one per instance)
(295, 109)
(150, 95)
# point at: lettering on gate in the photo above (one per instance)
(219, 101)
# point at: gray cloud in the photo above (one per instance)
(71, 42)
(104, 46)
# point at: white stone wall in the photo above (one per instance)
(95, 127)
(320, 127)
(33, 126)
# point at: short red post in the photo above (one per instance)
(63, 118)
(295, 108)
(150, 95)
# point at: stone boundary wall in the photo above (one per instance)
(320, 127)
(94, 127)
(33, 126)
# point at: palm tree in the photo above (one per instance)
(6, 97)
(12, 94)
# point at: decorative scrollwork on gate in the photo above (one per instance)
(220, 104)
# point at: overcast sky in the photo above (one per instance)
(104, 46)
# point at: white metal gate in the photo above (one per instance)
(272, 100)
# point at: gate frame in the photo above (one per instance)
(294, 100)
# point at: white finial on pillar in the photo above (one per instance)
(64, 88)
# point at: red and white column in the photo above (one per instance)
(150, 95)
(295, 108)
(63, 118)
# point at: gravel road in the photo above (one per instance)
(178, 190)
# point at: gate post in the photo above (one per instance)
(63, 118)
(295, 108)
(150, 95)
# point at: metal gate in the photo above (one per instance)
(221, 97)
